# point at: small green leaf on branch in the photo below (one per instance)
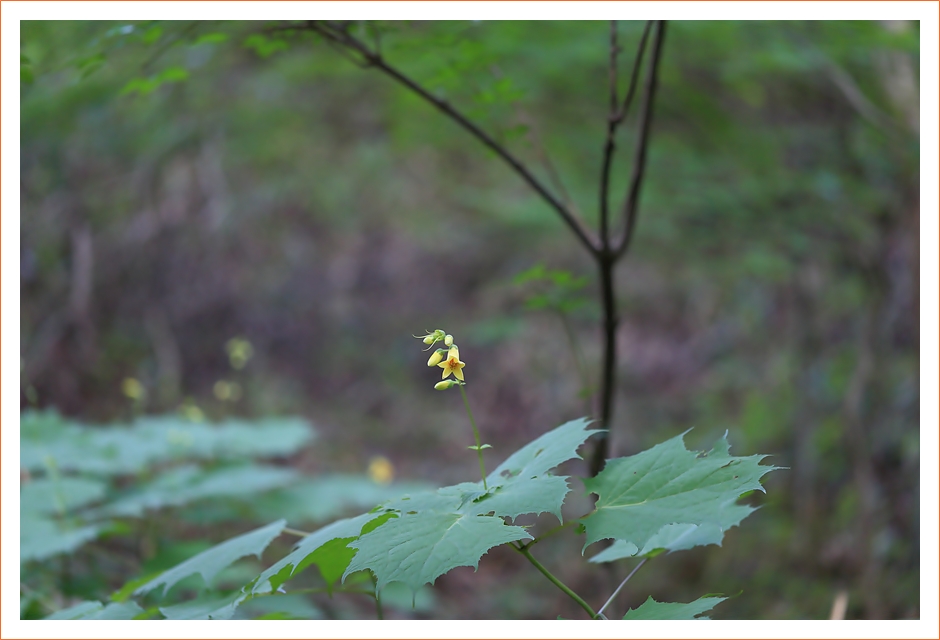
(652, 610)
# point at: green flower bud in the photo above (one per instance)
(446, 384)
(448, 340)
(430, 338)
(436, 357)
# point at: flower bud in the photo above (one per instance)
(448, 340)
(436, 357)
(428, 340)
(446, 384)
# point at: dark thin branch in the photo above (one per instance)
(614, 118)
(605, 266)
(608, 255)
(639, 156)
(338, 34)
(635, 73)
(614, 52)
(609, 144)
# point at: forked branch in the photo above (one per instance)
(642, 141)
(610, 251)
(614, 118)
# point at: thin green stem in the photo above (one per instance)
(476, 436)
(617, 590)
(295, 532)
(558, 583)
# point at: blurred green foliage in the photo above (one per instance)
(95, 492)
(258, 186)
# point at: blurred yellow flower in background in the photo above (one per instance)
(133, 389)
(239, 352)
(381, 470)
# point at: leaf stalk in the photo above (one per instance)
(558, 583)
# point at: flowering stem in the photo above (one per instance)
(476, 436)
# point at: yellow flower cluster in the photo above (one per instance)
(447, 359)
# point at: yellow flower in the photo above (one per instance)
(239, 352)
(452, 365)
(381, 470)
(133, 389)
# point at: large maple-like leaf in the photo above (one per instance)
(418, 548)
(668, 484)
(454, 526)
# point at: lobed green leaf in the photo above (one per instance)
(210, 562)
(121, 450)
(668, 484)
(418, 548)
(189, 483)
(42, 538)
(46, 495)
